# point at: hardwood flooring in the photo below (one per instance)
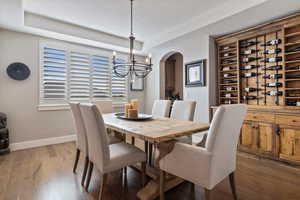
(45, 173)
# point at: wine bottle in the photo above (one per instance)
(229, 61)
(228, 75)
(249, 75)
(229, 81)
(228, 47)
(273, 93)
(228, 102)
(293, 49)
(249, 97)
(247, 44)
(294, 68)
(274, 67)
(293, 103)
(276, 85)
(272, 51)
(247, 67)
(229, 95)
(228, 54)
(273, 59)
(272, 42)
(230, 89)
(273, 76)
(248, 52)
(250, 89)
(293, 77)
(249, 59)
(294, 59)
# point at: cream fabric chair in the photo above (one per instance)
(107, 158)
(104, 106)
(183, 110)
(81, 142)
(161, 108)
(210, 165)
(107, 107)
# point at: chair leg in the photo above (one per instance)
(232, 185)
(103, 182)
(125, 172)
(143, 174)
(86, 165)
(207, 194)
(162, 184)
(150, 153)
(147, 150)
(89, 176)
(76, 160)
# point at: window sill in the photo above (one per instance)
(58, 107)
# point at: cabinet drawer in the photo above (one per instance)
(260, 117)
(290, 120)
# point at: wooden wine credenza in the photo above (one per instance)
(260, 66)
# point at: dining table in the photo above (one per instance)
(159, 134)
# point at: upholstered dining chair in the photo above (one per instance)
(107, 158)
(183, 110)
(161, 108)
(209, 165)
(81, 142)
(105, 106)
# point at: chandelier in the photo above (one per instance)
(133, 68)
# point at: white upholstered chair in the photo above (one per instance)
(161, 108)
(210, 165)
(81, 142)
(107, 158)
(104, 106)
(183, 110)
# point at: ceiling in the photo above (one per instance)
(152, 18)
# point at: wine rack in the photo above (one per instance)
(292, 65)
(228, 74)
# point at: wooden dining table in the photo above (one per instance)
(162, 134)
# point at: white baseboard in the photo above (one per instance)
(41, 142)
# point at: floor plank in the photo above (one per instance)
(45, 173)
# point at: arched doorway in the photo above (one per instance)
(171, 76)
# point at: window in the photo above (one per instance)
(69, 74)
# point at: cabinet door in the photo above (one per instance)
(266, 139)
(247, 137)
(289, 143)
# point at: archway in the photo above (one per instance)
(171, 76)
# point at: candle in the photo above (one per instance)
(132, 113)
(135, 104)
(126, 108)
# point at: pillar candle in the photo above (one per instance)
(132, 113)
(127, 107)
(135, 104)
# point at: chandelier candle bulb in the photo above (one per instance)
(127, 107)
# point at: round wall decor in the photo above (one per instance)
(18, 71)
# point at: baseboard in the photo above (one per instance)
(41, 142)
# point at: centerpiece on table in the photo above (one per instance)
(131, 112)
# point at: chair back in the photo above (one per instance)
(222, 140)
(81, 142)
(161, 108)
(104, 106)
(183, 110)
(96, 135)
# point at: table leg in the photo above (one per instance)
(151, 190)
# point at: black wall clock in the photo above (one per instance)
(18, 71)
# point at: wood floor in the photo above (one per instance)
(46, 174)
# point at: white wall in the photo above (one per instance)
(193, 47)
(19, 99)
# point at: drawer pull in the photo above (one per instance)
(294, 121)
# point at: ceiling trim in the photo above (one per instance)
(227, 9)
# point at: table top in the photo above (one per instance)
(155, 130)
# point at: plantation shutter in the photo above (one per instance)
(53, 76)
(118, 85)
(79, 77)
(101, 77)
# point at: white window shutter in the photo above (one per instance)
(101, 77)
(119, 86)
(53, 87)
(79, 77)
